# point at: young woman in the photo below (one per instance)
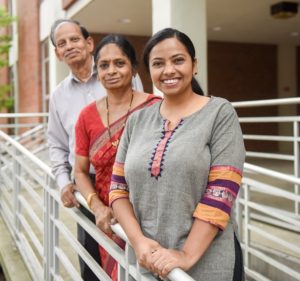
(100, 126)
(178, 171)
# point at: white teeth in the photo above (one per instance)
(170, 81)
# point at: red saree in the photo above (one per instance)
(92, 140)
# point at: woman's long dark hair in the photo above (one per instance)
(184, 39)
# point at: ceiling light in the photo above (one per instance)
(124, 20)
(284, 10)
(294, 33)
(217, 28)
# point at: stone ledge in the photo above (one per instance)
(12, 264)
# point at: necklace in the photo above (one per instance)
(116, 142)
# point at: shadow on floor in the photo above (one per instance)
(2, 278)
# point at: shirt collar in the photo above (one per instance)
(74, 78)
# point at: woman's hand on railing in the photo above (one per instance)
(103, 217)
(176, 274)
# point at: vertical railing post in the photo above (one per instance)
(130, 260)
(16, 172)
(47, 232)
(54, 215)
(51, 236)
(296, 162)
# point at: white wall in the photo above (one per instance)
(51, 10)
(190, 18)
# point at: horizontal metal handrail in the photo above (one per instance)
(260, 255)
(265, 155)
(269, 119)
(24, 115)
(272, 173)
(273, 213)
(176, 274)
(19, 126)
(28, 154)
(271, 138)
(30, 132)
(274, 238)
(268, 102)
(270, 189)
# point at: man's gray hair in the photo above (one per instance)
(83, 30)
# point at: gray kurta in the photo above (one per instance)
(164, 205)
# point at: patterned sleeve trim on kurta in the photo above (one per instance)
(118, 186)
(220, 194)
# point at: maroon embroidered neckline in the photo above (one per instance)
(157, 159)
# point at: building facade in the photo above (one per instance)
(234, 68)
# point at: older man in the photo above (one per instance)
(74, 47)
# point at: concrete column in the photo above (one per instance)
(51, 10)
(287, 77)
(190, 18)
(287, 87)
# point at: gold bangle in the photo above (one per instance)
(89, 198)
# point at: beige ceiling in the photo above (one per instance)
(239, 20)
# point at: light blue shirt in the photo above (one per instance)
(66, 102)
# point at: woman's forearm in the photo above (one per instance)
(198, 240)
(123, 212)
(84, 184)
(143, 246)
(86, 188)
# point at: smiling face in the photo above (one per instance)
(171, 67)
(114, 68)
(71, 46)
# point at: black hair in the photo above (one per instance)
(122, 42)
(184, 39)
(83, 30)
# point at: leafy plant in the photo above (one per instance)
(5, 43)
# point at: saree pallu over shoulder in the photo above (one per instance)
(102, 152)
(116, 128)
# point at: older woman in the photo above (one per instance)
(178, 171)
(100, 126)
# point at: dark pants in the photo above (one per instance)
(238, 274)
(90, 245)
(87, 241)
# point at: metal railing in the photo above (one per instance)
(293, 139)
(176, 274)
(261, 245)
(15, 122)
(30, 206)
(249, 211)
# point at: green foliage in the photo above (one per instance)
(5, 43)
(5, 100)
